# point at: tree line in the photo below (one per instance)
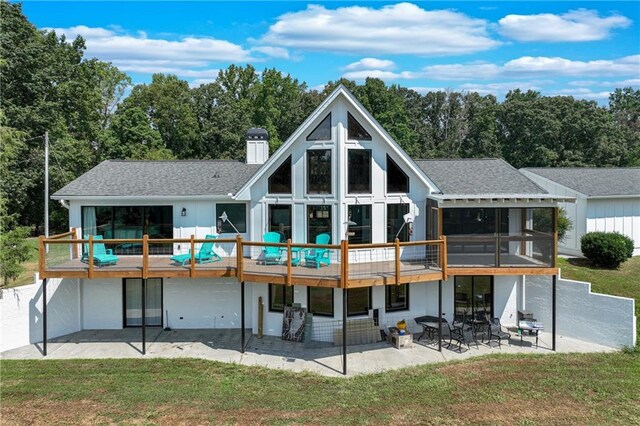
(93, 112)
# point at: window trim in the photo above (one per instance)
(124, 304)
(308, 171)
(370, 171)
(316, 128)
(386, 300)
(349, 115)
(290, 160)
(246, 215)
(333, 304)
(284, 297)
(386, 181)
(369, 306)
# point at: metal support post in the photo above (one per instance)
(144, 316)
(44, 317)
(344, 331)
(553, 311)
(440, 315)
(242, 316)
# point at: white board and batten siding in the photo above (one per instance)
(591, 213)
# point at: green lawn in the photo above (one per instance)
(57, 253)
(531, 389)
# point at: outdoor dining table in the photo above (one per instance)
(530, 326)
(430, 325)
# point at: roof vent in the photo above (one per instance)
(257, 146)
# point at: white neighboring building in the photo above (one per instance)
(607, 200)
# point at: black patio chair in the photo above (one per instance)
(463, 335)
(497, 332)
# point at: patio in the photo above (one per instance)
(223, 345)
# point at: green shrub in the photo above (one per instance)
(606, 249)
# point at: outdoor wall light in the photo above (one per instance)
(183, 212)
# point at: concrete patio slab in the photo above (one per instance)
(224, 345)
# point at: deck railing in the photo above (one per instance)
(332, 265)
(341, 265)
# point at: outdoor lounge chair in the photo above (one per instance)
(102, 256)
(496, 332)
(318, 257)
(206, 254)
(271, 255)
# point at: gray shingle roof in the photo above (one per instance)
(485, 176)
(161, 178)
(594, 181)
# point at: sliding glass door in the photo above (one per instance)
(133, 302)
(473, 297)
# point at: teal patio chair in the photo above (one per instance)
(271, 255)
(102, 256)
(206, 254)
(318, 257)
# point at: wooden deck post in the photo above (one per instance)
(443, 258)
(239, 258)
(145, 256)
(41, 256)
(289, 261)
(74, 246)
(192, 264)
(397, 260)
(90, 257)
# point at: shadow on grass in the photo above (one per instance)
(582, 262)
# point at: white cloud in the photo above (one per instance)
(274, 52)
(575, 25)
(371, 64)
(381, 74)
(200, 81)
(501, 88)
(424, 89)
(141, 54)
(582, 93)
(633, 82)
(402, 28)
(539, 66)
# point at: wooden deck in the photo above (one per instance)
(351, 266)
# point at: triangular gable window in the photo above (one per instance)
(322, 132)
(397, 179)
(280, 180)
(355, 130)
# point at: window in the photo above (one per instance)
(130, 222)
(361, 216)
(355, 131)
(280, 180)
(359, 171)
(473, 297)
(280, 220)
(358, 301)
(319, 171)
(322, 132)
(320, 301)
(236, 214)
(397, 179)
(279, 297)
(319, 222)
(396, 297)
(395, 222)
(133, 302)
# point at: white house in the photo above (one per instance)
(456, 238)
(607, 200)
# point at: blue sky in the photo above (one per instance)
(584, 49)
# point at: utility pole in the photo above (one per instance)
(46, 187)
